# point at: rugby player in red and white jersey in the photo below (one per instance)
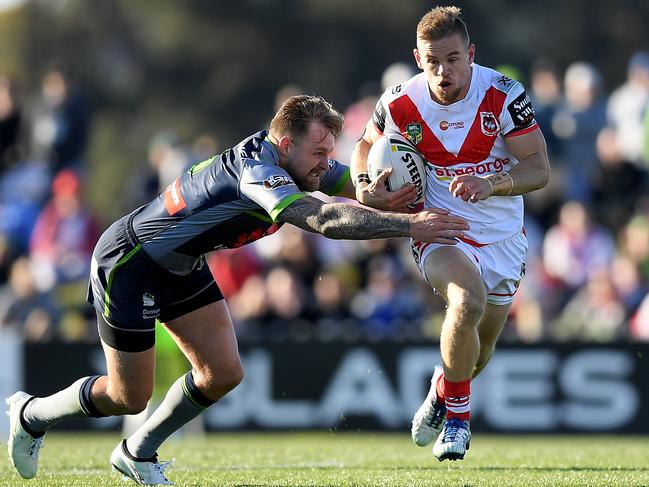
(475, 128)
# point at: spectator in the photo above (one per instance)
(546, 96)
(639, 322)
(22, 192)
(634, 243)
(332, 292)
(628, 284)
(10, 126)
(627, 106)
(594, 313)
(22, 307)
(60, 124)
(387, 301)
(575, 246)
(65, 233)
(545, 92)
(577, 123)
(617, 183)
(232, 268)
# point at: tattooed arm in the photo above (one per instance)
(345, 221)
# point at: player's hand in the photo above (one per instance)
(376, 194)
(470, 188)
(438, 226)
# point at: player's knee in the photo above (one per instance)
(234, 377)
(218, 382)
(469, 307)
(132, 402)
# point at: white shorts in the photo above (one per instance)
(501, 264)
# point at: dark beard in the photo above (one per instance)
(448, 96)
(303, 185)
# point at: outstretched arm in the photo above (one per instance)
(345, 221)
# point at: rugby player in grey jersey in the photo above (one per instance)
(150, 265)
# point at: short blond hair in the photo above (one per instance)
(297, 112)
(442, 22)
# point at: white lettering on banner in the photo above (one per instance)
(517, 389)
(414, 370)
(253, 400)
(11, 371)
(360, 387)
(520, 390)
(599, 396)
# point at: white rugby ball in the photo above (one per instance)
(408, 166)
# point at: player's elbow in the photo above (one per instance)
(544, 176)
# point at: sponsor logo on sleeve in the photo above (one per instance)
(378, 117)
(277, 180)
(521, 110)
(173, 198)
(488, 124)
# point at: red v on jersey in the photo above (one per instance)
(478, 142)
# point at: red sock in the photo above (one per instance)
(457, 398)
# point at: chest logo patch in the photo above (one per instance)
(445, 125)
(413, 132)
(488, 124)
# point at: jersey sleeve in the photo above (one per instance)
(335, 178)
(382, 118)
(517, 116)
(269, 186)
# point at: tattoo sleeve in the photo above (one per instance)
(344, 221)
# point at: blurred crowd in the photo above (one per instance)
(587, 267)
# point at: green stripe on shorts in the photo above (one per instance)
(120, 263)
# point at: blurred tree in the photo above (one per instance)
(214, 66)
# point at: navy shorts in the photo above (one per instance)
(130, 291)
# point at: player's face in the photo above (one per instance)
(447, 65)
(306, 159)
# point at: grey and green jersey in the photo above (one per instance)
(227, 201)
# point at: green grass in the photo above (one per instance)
(353, 459)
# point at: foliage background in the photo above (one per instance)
(201, 66)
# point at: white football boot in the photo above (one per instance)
(453, 441)
(142, 471)
(429, 418)
(22, 447)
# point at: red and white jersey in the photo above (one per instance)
(465, 137)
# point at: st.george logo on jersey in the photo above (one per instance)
(488, 123)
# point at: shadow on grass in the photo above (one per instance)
(550, 469)
(437, 468)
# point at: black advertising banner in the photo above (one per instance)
(378, 386)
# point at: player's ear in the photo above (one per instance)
(284, 144)
(471, 52)
(415, 53)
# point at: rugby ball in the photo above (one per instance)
(408, 166)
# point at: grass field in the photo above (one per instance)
(352, 459)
